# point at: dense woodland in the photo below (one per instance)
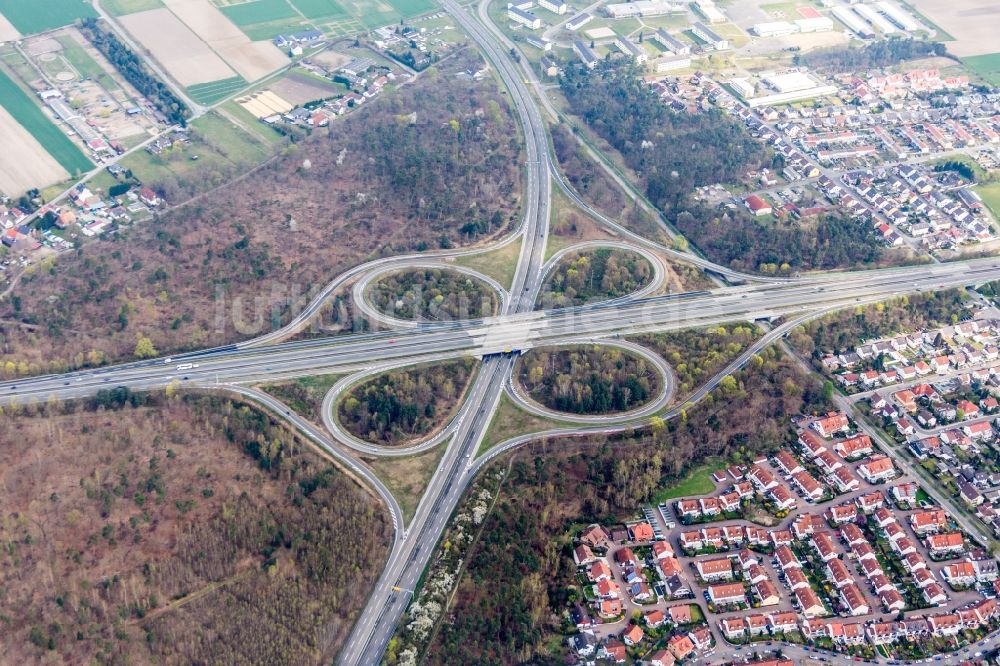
(594, 275)
(845, 329)
(695, 354)
(874, 55)
(588, 379)
(673, 153)
(737, 239)
(135, 72)
(408, 172)
(171, 530)
(510, 602)
(398, 406)
(435, 295)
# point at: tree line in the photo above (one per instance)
(135, 72)
(874, 55)
(600, 274)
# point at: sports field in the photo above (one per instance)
(986, 66)
(210, 93)
(31, 16)
(30, 117)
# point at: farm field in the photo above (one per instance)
(123, 7)
(24, 164)
(986, 66)
(251, 60)
(972, 23)
(185, 57)
(26, 17)
(209, 93)
(31, 118)
(340, 17)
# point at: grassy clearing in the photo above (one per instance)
(511, 421)
(29, 18)
(265, 132)
(985, 66)
(498, 264)
(304, 394)
(698, 482)
(123, 7)
(25, 112)
(270, 30)
(229, 140)
(210, 93)
(407, 477)
(991, 197)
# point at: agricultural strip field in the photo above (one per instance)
(251, 60)
(24, 164)
(210, 93)
(8, 33)
(185, 57)
(971, 22)
(345, 16)
(986, 66)
(29, 18)
(31, 118)
(258, 11)
(123, 7)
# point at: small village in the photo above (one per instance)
(826, 544)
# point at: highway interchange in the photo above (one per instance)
(497, 339)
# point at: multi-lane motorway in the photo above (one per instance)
(496, 339)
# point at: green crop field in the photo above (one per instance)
(29, 17)
(209, 93)
(30, 117)
(259, 11)
(320, 9)
(123, 7)
(986, 66)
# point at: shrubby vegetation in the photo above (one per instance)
(845, 329)
(874, 55)
(735, 238)
(135, 72)
(165, 530)
(674, 152)
(401, 175)
(595, 275)
(402, 405)
(434, 294)
(588, 379)
(304, 394)
(695, 354)
(510, 605)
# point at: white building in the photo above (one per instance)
(524, 18)
(818, 24)
(902, 20)
(643, 8)
(629, 48)
(587, 55)
(671, 43)
(554, 6)
(775, 29)
(708, 9)
(869, 14)
(851, 20)
(579, 21)
(704, 33)
(670, 64)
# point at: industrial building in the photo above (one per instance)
(642, 8)
(774, 29)
(869, 14)
(817, 24)
(851, 20)
(900, 18)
